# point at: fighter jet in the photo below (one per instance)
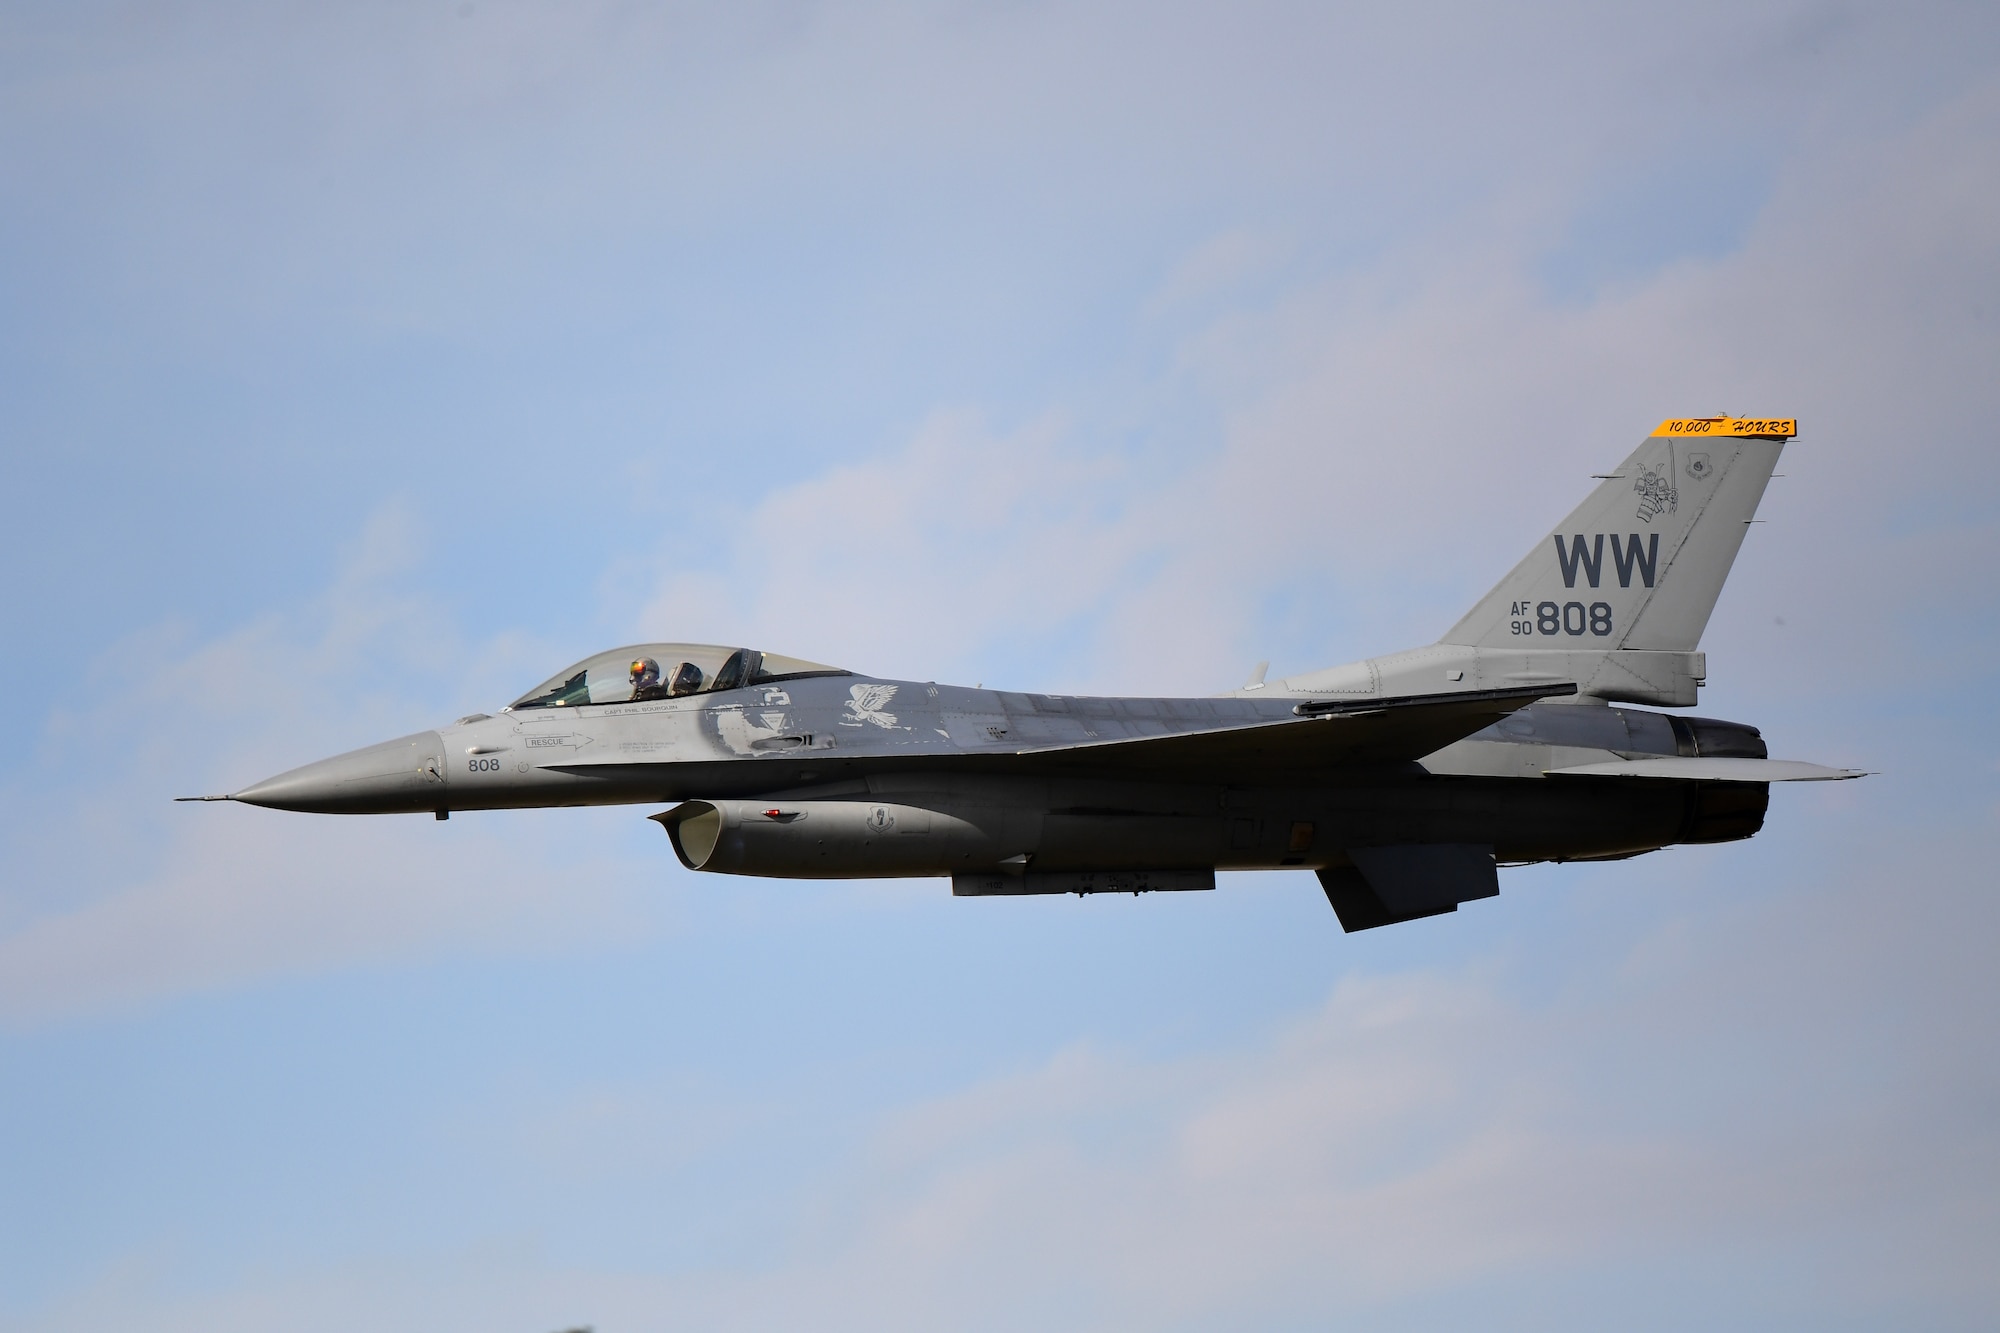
(1404, 782)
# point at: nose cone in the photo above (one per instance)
(395, 776)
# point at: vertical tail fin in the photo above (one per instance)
(1639, 564)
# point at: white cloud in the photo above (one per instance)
(1385, 436)
(1775, 1101)
(1394, 439)
(286, 897)
(1423, 1135)
(117, 897)
(1733, 1124)
(903, 564)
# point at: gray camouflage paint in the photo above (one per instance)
(835, 774)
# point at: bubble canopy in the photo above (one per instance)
(664, 671)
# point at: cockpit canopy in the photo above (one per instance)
(664, 671)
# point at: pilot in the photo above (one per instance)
(646, 680)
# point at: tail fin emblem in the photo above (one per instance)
(1657, 495)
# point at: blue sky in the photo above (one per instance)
(362, 365)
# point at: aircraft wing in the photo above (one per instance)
(1324, 734)
(1321, 735)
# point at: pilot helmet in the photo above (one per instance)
(645, 673)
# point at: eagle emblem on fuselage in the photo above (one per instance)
(865, 703)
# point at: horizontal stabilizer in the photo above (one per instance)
(1690, 769)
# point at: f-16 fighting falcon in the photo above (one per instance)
(1403, 781)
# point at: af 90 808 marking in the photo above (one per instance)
(1571, 618)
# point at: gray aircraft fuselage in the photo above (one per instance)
(1402, 781)
(950, 746)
